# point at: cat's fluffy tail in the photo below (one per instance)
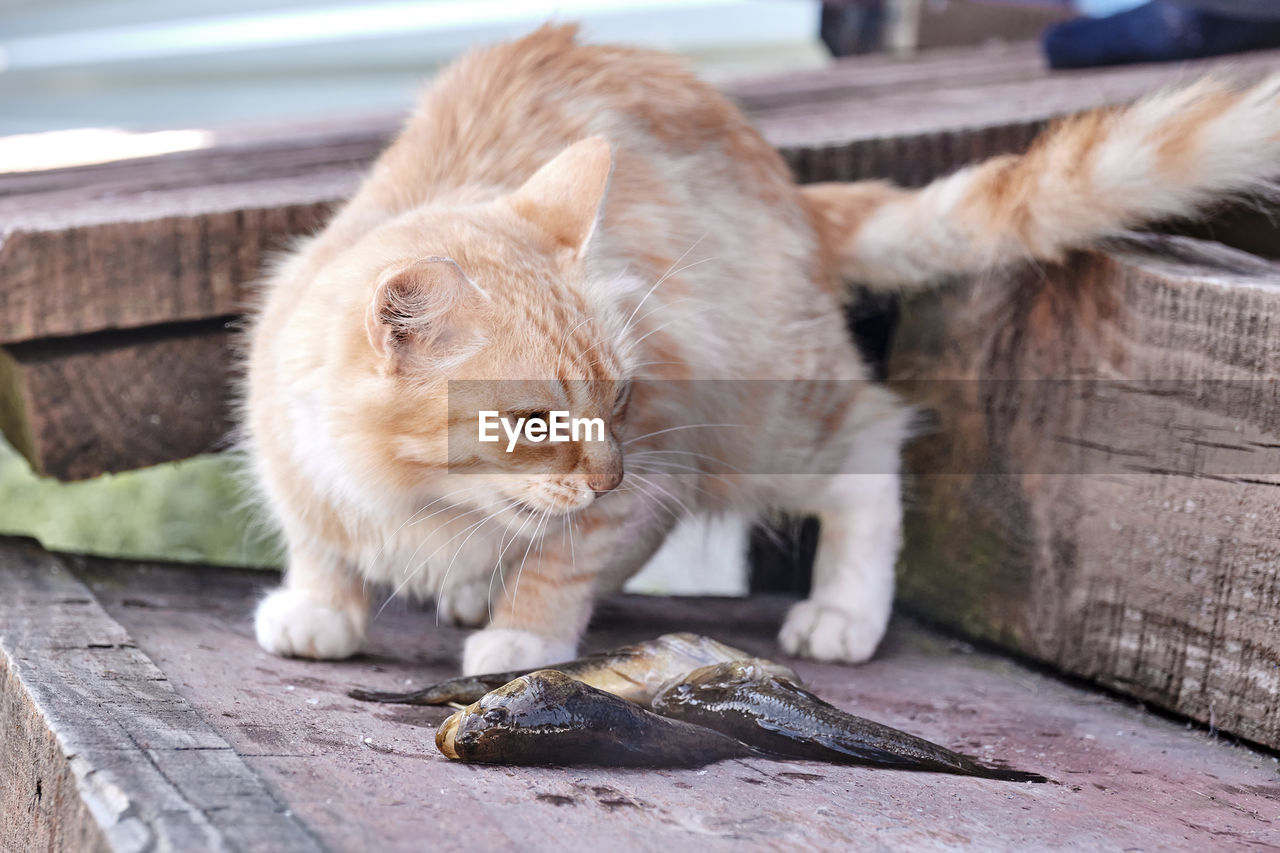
(1087, 177)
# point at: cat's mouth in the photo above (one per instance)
(523, 509)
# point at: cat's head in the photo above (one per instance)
(489, 307)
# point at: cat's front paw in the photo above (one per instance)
(465, 604)
(504, 649)
(820, 632)
(291, 624)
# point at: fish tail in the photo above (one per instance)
(429, 696)
(1006, 775)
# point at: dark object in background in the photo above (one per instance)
(780, 556)
(852, 26)
(1165, 31)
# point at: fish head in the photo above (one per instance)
(521, 709)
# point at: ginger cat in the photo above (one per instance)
(556, 212)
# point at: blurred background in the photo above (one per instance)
(150, 64)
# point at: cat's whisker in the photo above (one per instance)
(671, 270)
(685, 476)
(662, 326)
(573, 559)
(409, 520)
(676, 428)
(633, 320)
(677, 469)
(497, 566)
(426, 560)
(657, 502)
(655, 485)
(688, 471)
(707, 456)
(410, 575)
(461, 514)
(673, 467)
(537, 533)
(672, 303)
(440, 587)
(565, 342)
(653, 363)
(442, 509)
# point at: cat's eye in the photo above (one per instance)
(533, 417)
(624, 397)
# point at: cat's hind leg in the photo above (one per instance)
(860, 512)
(849, 605)
(321, 611)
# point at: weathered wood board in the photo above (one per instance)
(118, 400)
(1099, 488)
(87, 265)
(355, 776)
(98, 750)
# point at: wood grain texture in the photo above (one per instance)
(93, 265)
(119, 400)
(102, 752)
(1099, 487)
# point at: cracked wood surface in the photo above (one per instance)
(369, 777)
(1098, 489)
(98, 751)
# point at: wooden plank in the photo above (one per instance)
(1099, 488)
(77, 265)
(927, 109)
(354, 772)
(857, 77)
(177, 237)
(99, 751)
(118, 400)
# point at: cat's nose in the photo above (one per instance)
(605, 481)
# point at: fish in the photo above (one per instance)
(749, 701)
(634, 672)
(551, 718)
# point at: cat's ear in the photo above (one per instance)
(420, 307)
(564, 198)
